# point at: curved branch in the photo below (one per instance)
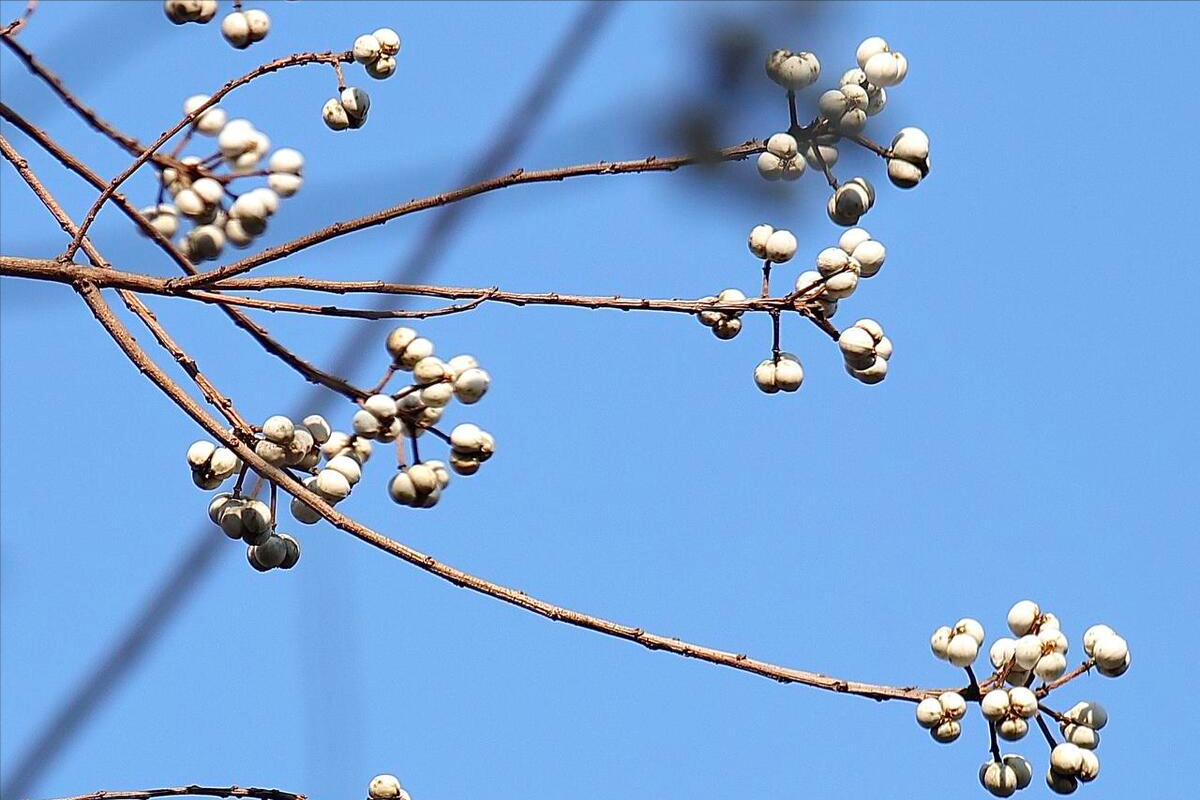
(514, 178)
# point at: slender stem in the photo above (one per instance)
(791, 97)
(274, 499)
(1046, 732)
(994, 742)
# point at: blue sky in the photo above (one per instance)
(1036, 437)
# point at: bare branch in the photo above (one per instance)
(514, 178)
(193, 790)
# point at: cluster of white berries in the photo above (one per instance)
(723, 324)
(843, 112)
(386, 787)
(240, 28)
(377, 53)
(866, 351)
(909, 162)
(211, 465)
(199, 194)
(182, 11)
(840, 268)
(251, 521)
(1038, 651)
(243, 28)
(413, 410)
(240, 517)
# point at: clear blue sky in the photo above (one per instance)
(1037, 436)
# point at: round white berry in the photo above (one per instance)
(1022, 616)
(939, 642)
(903, 174)
(271, 553)
(199, 453)
(389, 41)
(870, 47)
(382, 68)
(953, 705)
(1002, 651)
(366, 49)
(994, 704)
(1023, 702)
(789, 374)
(757, 240)
(1027, 651)
(332, 484)
(236, 29)
(1081, 736)
(471, 385)
(781, 246)
(858, 348)
(782, 145)
(292, 554)
(1089, 713)
(870, 256)
(770, 166)
(224, 462)
(1012, 729)
(1060, 783)
(1089, 766)
(302, 512)
(279, 429)
(1066, 758)
(1021, 767)
(963, 650)
(946, 732)
(998, 778)
(929, 712)
(335, 115)
(1095, 634)
(1051, 666)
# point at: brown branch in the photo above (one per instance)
(131, 300)
(294, 60)
(309, 371)
(514, 178)
(193, 790)
(14, 27)
(57, 271)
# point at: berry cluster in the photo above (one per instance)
(866, 351)
(210, 464)
(377, 53)
(252, 521)
(201, 195)
(1008, 700)
(842, 115)
(404, 416)
(240, 28)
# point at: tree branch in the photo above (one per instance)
(514, 178)
(194, 790)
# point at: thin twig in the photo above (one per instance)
(514, 178)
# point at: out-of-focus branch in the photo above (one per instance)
(514, 178)
(124, 140)
(193, 790)
(12, 28)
